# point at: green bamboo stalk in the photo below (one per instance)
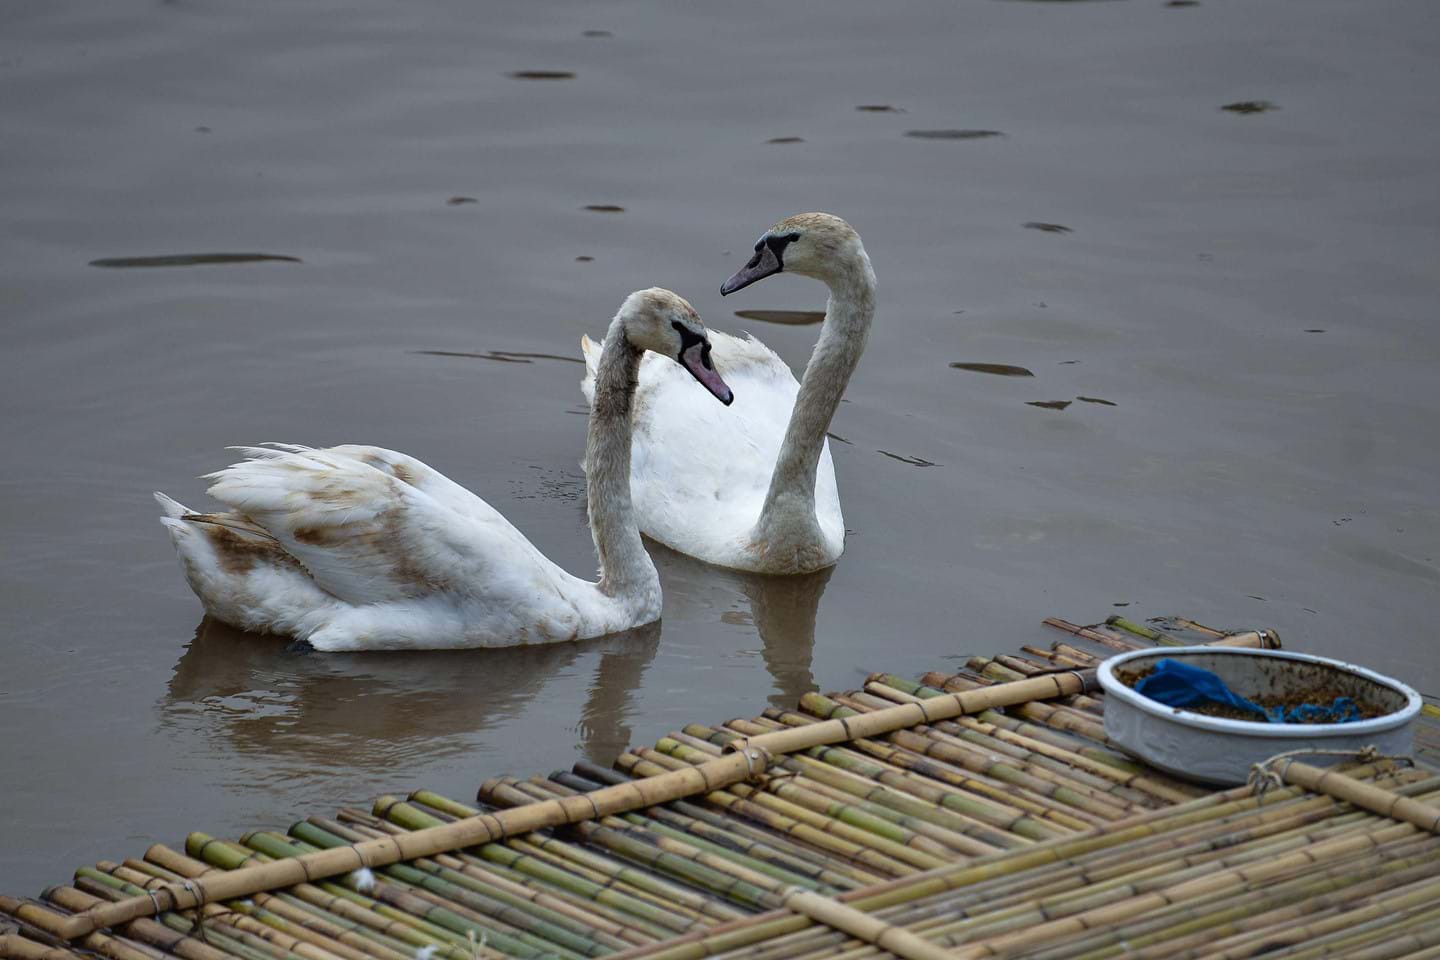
(1025, 811)
(1014, 815)
(827, 869)
(458, 891)
(584, 914)
(851, 851)
(764, 855)
(543, 862)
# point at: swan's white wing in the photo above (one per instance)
(367, 536)
(700, 470)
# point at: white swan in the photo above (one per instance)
(753, 487)
(360, 548)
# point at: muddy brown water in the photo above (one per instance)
(1252, 471)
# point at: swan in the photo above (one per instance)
(361, 548)
(753, 488)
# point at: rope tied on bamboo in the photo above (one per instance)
(1336, 785)
(1264, 776)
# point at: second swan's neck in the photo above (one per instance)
(625, 567)
(791, 497)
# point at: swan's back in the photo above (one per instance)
(358, 547)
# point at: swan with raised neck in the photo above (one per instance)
(362, 548)
(764, 467)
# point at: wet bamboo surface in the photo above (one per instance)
(1010, 832)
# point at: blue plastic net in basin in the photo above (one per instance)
(1178, 684)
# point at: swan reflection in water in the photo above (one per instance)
(303, 713)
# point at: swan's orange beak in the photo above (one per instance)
(696, 359)
(764, 263)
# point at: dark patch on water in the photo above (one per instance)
(1066, 363)
(1125, 604)
(1103, 403)
(998, 369)
(1049, 404)
(604, 208)
(792, 318)
(1182, 3)
(202, 129)
(596, 33)
(542, 75)
(460, 201)
(913, 461)
(503, 356)
(786, 140)
(193, 260)
(1047, 227)
(952, 134)
(1250, 106)
(839, 439)
(878, 108)
(1253, 597)
(1314, 329)
(584, 258)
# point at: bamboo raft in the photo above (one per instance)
(975, 814)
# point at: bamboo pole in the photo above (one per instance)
(1364, 795)
(14, 945)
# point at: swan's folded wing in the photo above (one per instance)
(367, 536)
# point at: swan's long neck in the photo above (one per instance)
(791, 497)
(625, 567)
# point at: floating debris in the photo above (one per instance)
(1250, 106)
(913, 461)
(1315, 330)
(503, 356)
(584, 258)
(1103, 403)
(878, 108)
(542, 75)
(952, 134)
(1049, 404)
(793, 318)
(596, 33)
(998, 369)
(604, 208)
(193, 260)
(460, 201)
(1047, 227)
(786, 140)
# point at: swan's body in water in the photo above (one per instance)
(360, 548)
(753, 487)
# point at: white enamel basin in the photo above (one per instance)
(1218, 751)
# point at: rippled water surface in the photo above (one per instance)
(1209, 232)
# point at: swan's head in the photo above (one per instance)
(817, 245)
(664, 322)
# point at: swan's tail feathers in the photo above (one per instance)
(591, 351)
(172, 508)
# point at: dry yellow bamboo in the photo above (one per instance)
(16, 946)
(862, 926)
(1364, 795)
(750, 760)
